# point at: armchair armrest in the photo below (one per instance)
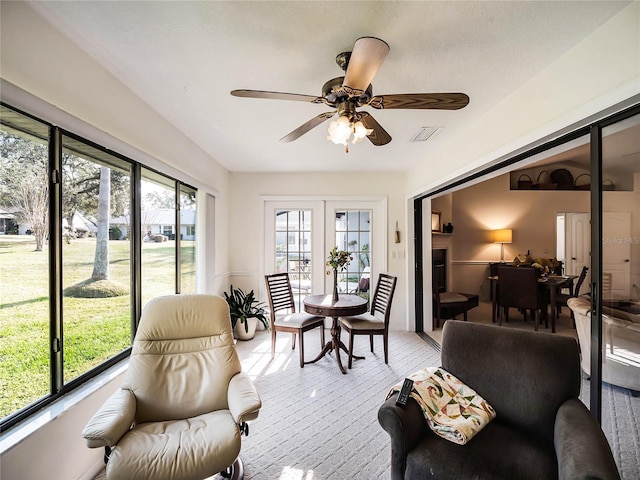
(244, 401)
(406, 427)
(581, 447)
(112, 421)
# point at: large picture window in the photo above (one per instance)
(158, 218)
(187, 239)
(70, 276)
(24, 250)
(96, 256)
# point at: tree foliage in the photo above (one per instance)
(23, 183)
(24, 187)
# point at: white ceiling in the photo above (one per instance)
(183, 59)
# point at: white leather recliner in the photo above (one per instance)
(621, 340)
(183, 405)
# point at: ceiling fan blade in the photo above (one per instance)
(379, 136)
(366, 58)
(437, 101)
(305, 127)
(275, 95)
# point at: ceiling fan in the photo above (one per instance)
(346, 94)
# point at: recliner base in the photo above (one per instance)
(235, 470)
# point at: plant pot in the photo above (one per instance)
(239, 331)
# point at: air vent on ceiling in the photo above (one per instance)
(424, 134)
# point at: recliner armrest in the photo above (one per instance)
(406, 427)
(581, 447)
(244, 401)
(112, 421)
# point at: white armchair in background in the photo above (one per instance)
(621, 340)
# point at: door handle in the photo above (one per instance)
(626, 260)
(573, 258)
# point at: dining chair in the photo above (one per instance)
(562, 298)
(376, 321)
(518, 288)
(284, 318)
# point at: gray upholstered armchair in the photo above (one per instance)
(183, 405)
(541, 431)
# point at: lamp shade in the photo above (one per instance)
(503, 236)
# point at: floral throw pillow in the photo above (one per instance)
(453, 410)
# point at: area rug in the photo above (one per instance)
(316, 423)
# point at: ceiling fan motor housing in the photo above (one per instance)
(334, 93)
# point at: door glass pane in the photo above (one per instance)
(24, 286)
(621, 254)
(187, 240)
(158, 220)
(293, 250)
(353, 229)
(96, 257)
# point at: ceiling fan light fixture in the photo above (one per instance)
(343, 129)
(360, 132)
(339, 131)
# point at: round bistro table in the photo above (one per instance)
(346, 306)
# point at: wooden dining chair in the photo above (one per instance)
(518, 288)
(376, 321)
(284, 318)
(562, 298)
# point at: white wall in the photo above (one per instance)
(245, 216)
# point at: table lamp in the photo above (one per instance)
(502, 236)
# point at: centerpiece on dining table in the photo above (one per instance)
(337, 260)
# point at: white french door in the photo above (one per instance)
(359, 227)
(298, 234)
(293, 241)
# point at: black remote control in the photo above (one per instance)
(403, 397)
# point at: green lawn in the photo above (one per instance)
(94, 329)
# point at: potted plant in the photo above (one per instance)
(245, 311)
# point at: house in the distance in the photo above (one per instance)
(161, 221)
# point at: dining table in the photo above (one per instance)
(553, 283)
(324, 305)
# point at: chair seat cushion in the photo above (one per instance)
(197, 447)
(498, 451)
(452, 297)
(365, 321)
(297, 320)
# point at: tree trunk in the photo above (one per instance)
(101, 262)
